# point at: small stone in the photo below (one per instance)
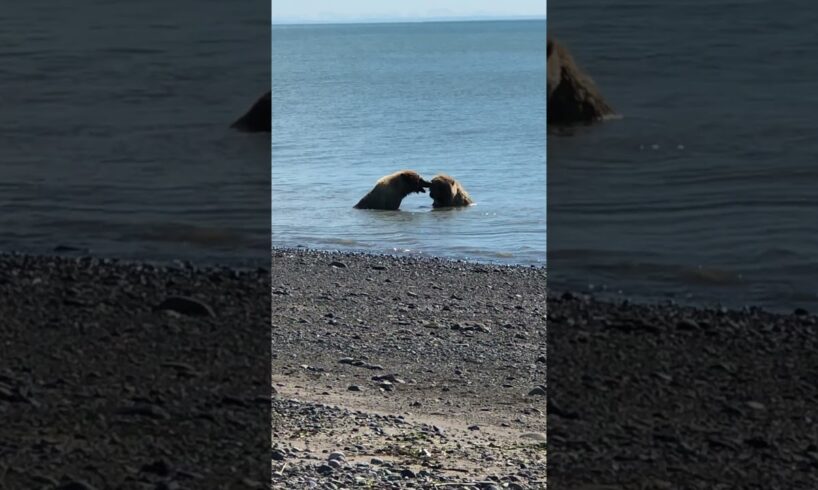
(537, 391)
(324, 470)
(150, 411)
(339, 265)
(756, 405)
(392, 378)
(185, 306)
(346, 360)
(376, 461)
(534, 436)
(407, 473)
(337, 455)
(474, 427)
(335, 463)
(181, 367)
(354, 388)
(278, 455)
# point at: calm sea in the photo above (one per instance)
(706, 191)
(352, 103)
(114, 130)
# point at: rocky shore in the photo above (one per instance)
(662, 396)
(132, 376)
(397, 372)
(388, 372)
(414, 373)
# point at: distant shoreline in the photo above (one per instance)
(441, 20)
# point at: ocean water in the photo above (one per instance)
(352, 103)
(705, 191)
(114, 132)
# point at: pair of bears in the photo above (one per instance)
(390, 190)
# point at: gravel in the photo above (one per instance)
(663, 396)
(639, 396)
(434, 348)
(129, 375)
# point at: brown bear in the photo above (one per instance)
(447, 192)
(259, 118)
(390, 190)
(572, 96)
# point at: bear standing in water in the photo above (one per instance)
(447, 192)
(390, 190)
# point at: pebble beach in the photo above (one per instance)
(128, 375)
(388, 372)
(397, 372)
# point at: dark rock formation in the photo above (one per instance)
(573, 98)
(258, 118)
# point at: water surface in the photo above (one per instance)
(352, 103)
(705, 191)
(114, 133)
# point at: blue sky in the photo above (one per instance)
(394, 10)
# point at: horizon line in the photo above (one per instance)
(408, 20)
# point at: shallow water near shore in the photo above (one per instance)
(704, 192)
(115, 138)
(352, 103)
